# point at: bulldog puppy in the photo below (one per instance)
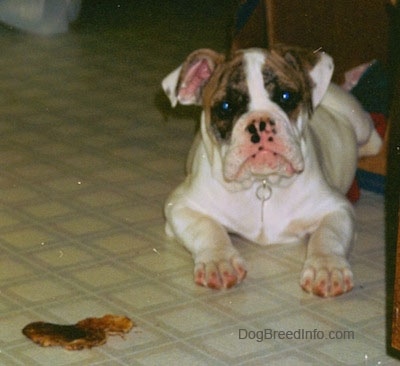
(276, 152)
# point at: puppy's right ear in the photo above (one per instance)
(185, 84)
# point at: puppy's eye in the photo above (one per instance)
(224, 110)
(287, 99)
(286, 96)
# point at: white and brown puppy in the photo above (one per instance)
(277, 150)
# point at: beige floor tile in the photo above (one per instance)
(83, 225)
(48, 210)
(170, 355)
(145, 297)
(27, 238)
(41, 290)
(61, 256)
(190, 319)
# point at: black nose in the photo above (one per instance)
(255, 139)
(252, 129)
(258, 126)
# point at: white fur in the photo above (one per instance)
(259, 98)
(321, 75)
(169, 85)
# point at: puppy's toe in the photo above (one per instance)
(200, 274)
(327, 277)
(207, 275)
(341, 281)
(239, 266)
(307, 279)
(213, 276)
(322, 283)
(221, 274)
(228, 275)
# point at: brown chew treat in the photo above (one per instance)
(87, 333)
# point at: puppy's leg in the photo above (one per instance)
(326, 271)
(217, 263)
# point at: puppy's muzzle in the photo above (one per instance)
(262, 145)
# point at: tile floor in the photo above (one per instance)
(89, 150)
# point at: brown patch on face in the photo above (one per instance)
(287, 80)
(226, 97)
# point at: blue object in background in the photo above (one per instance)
(372, 90)
(244, 13)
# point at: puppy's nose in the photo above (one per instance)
(256, 127)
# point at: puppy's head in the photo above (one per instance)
(256, 104)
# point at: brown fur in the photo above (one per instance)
(291, 66)
(228, 77)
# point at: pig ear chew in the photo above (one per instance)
(185, 84)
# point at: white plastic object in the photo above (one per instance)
(43, 17)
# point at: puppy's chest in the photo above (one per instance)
(264, 219)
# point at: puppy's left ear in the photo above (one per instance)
(321, 75)
(185, 84)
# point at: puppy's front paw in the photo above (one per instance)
(326, 276)
(220, 274)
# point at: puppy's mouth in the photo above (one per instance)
(263, 161)
(260, 150)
